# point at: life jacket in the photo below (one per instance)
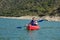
(32, 22)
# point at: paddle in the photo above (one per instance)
(26, 24)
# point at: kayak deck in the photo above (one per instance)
(31, 27)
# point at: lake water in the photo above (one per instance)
(9, 31)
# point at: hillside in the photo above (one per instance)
(18, 8)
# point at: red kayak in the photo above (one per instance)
(31, 27)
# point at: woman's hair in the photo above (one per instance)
(33, 18)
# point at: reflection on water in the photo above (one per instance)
(32, 35)
(11, 29)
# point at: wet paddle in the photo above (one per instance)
(26, 24)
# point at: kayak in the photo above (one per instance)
(31, 27)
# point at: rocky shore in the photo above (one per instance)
(52, 18)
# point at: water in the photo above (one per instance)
(9, 31)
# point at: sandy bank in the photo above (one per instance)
(30, 17)
(22, 17)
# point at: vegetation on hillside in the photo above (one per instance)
(29, 7)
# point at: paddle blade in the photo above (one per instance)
(19, 27)
(42, 20)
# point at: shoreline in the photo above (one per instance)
(22, 17)
(53, 18)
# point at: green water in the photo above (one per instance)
(9, 31)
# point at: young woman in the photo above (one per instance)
(34, 22)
